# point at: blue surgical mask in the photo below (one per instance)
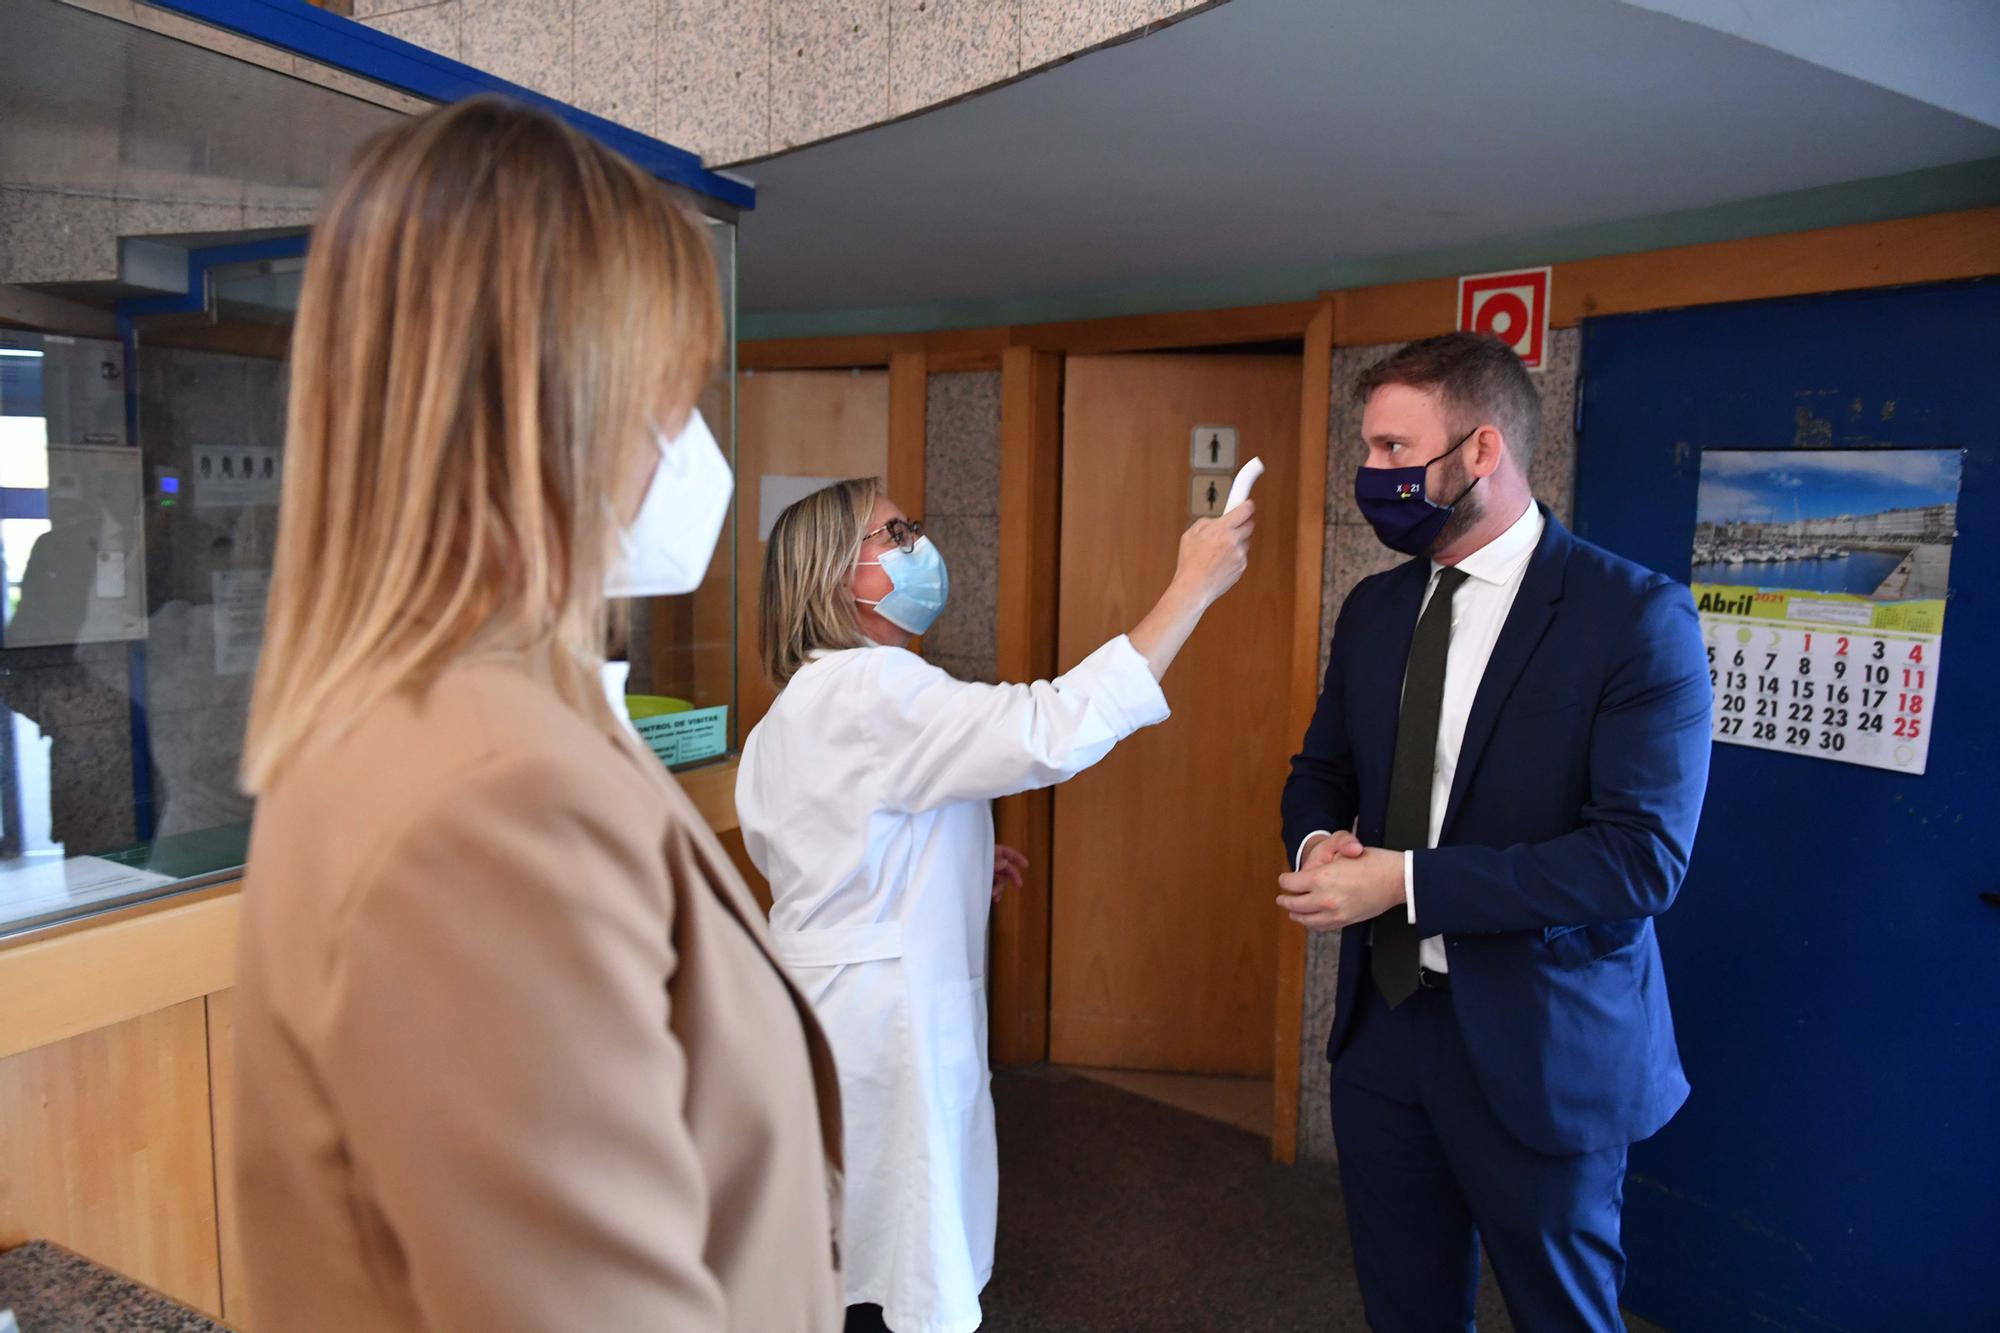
(918, 583)
(1392, 499)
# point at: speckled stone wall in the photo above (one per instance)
(962, 513)
(739, 79)
(1352, 554)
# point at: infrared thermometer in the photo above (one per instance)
(1246, 477)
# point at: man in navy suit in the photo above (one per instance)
(1497, 795)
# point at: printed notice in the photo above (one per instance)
(1820, 576)
(683, 738)
(240, 595)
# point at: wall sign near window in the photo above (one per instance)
(685, 737)
(239, 595)
(1820, 577)
(232, 477)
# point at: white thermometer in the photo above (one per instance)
(1246, 477)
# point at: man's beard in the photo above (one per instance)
(1465, 513)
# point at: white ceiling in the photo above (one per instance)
(1289, 138)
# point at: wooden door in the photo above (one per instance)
(1164, 936)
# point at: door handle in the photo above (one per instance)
(1990, 899)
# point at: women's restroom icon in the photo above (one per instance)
(1207, 496)
(1212, 455)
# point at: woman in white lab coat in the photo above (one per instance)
(864, 800)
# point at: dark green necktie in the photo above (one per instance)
(1408, 827)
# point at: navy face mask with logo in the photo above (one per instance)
(1392, 499)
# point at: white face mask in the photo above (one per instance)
(615, 675)
(666, 550)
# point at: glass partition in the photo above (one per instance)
(142, 410)
(683, 649)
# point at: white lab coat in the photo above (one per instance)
(864, 800)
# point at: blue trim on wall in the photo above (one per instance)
(195, 298)
(142, 757)
(293, 25)
(23, 502)
(143, 803)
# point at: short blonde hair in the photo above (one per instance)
(808, 603)
(498, 314)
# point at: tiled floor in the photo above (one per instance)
(1242, 1102)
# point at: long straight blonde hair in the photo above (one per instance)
(808, 602)
(497, 315)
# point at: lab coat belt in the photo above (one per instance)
(841, 944)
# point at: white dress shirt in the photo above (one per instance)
(1478, 610)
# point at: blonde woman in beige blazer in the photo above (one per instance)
(513, 1051)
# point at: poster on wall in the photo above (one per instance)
(1820, 577)
(236, 477)
(776, 494)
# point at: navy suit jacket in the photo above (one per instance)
(1571, 817)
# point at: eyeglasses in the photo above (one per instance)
(902, 534)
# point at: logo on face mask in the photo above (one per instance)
(1409, 490)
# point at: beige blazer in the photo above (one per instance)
(512, 1049)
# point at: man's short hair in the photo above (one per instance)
(1479, 380)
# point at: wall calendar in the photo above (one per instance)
(1821, 579)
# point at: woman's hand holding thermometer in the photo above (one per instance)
(1214, 554)
(1246, 477)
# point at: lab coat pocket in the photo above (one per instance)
(953, 1014)
(865, 1010)
(815, 982)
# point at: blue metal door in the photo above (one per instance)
(1834, 970)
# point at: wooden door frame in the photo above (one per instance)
(1288, 1029)
(1030, 474)
(1031, 384)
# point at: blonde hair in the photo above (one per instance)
(808, 604)
(498, 313)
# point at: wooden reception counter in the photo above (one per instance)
(116, 1071)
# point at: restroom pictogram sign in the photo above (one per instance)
(1513, 307)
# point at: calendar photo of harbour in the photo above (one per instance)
(1870, 523)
